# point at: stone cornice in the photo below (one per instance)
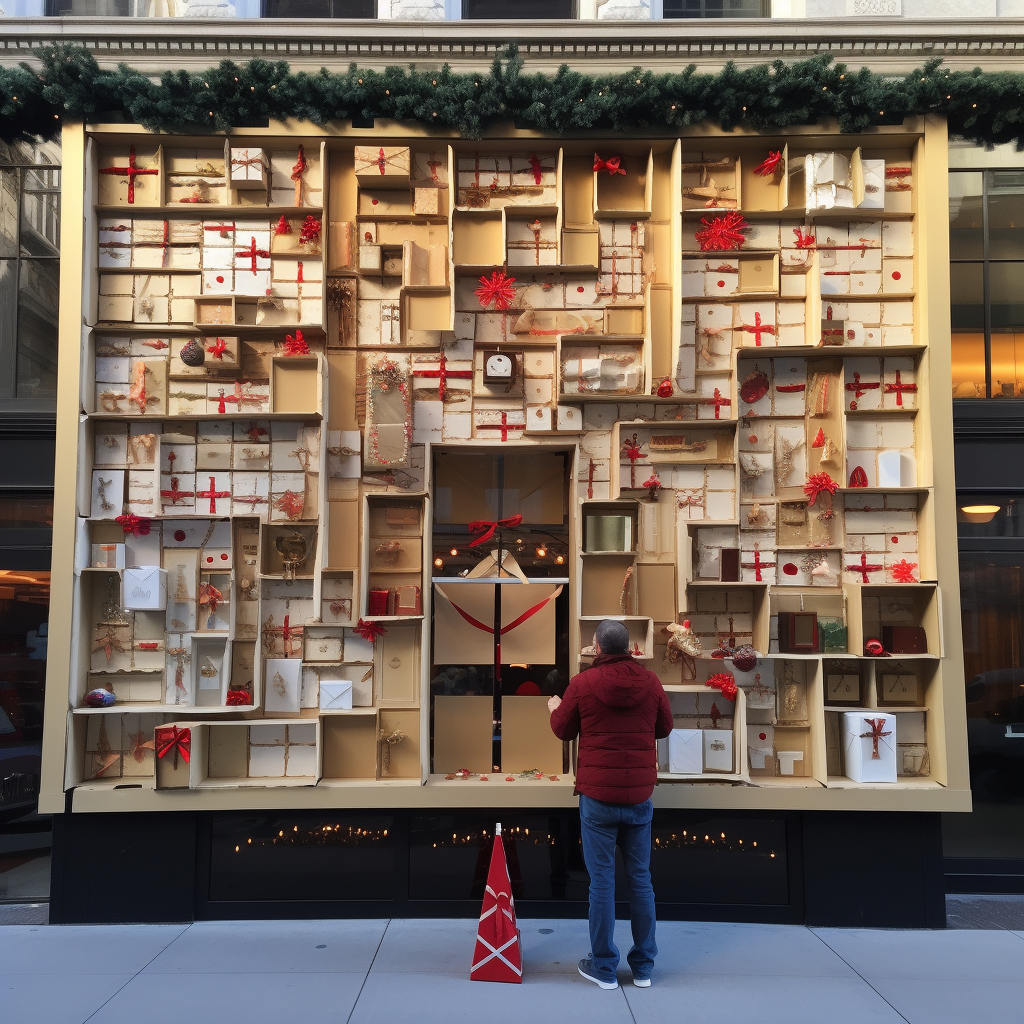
(885, 45)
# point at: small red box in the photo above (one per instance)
(377, 602)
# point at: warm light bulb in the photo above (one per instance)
(542, 552)
(438, 562)
(454, 552)
(559, 559)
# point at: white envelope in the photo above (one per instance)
(336, 695)
(686, 751)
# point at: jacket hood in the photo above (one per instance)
(619, 681)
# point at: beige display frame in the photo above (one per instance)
(578, 219)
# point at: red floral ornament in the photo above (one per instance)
(295, 346)
(771, 165)
(283, 227)
(903, 571)
(722, 232)
(665, 389)
(369, 630)
(291, 503)
(135, 525)
(497, 290)
(819, 483)
(724, 681)
(238, 698)
(218, 348)
(804, 241)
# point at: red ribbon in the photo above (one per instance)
(133, 524)
(528, 614)
(369, 630)
(611, 165)
(179, 741)
(490, 526)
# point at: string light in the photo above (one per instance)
(438, 562)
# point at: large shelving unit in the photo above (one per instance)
(298, 486)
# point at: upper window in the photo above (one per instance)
(29, 275)
(518, 10)
(319, 8)
(986, 249)
(717, 8)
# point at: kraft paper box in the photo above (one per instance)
(336, 695)
(686, 751)
(248, 168)
(862, 730)
(382, 166)
(142, 496)
(145, 588)
(718, 750)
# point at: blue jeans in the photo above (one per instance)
(630, 824)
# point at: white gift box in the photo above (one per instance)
(686, 751)
(897, 238)
(213, 494)
(250, 494)
(718, 750)
(866, 733)
(538, 417)
(899, 384)
(252, 284)
(897, 275)
(863, 385)
(336, 695)
(282, 684)
(896, 468)
(145, 588)
(358, 650)
(570, 418)
(248, 168)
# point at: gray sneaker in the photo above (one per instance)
(641, 982)
(586, 969)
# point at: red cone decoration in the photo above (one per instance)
(498, 955)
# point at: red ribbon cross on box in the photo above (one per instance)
(174, 495)
(863, 567)
(480, 525)
(877, 725)
(757, 565)
(717, 401)
(238, 398)
(899, 387)
(861, 388)
(131, 171)
(213, 495)
(172, 740)
(504, 426)
(252, 252)
(441, 375)
(757, 329)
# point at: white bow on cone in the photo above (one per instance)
(498, 955)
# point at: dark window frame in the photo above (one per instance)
(676, 10)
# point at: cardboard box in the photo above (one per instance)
(718, 750)
(108, 556)
(382, 166)
(248, 168)
(686, 751)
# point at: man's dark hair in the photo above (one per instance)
(612, 636)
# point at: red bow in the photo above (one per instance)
(487, 525)
(238, 698)
(295, 346)
(819, 483)
(725, 682)
(135, 525)
(171, 738)
(369, 630)
(611, 165)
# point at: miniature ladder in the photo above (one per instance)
(498, 955)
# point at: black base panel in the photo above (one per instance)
(771, 867)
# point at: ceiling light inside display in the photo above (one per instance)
(977, 513)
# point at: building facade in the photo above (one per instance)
(412, 851)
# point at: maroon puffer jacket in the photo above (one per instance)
(617, 708)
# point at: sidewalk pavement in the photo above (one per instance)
(383, 971)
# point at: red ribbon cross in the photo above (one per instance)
(757, 565)
(877, 725)
(213, 495)
(717, 401)
(757, 329)
(504, 426)
(252, 252)
(132, 171)
(863, 568)
(442, 373)
(899, 387)
(173, 495)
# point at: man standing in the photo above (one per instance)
(617, 708)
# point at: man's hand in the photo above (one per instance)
(553, 703)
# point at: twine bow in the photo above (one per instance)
(486, 528)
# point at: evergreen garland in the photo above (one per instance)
(982, 107)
